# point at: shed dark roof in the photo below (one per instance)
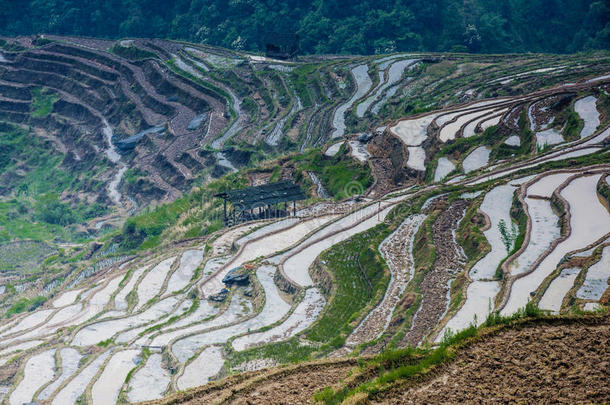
(266, 194)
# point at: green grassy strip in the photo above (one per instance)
(42, 103)
(25, 304)
(290, 351)
(132, 52)
(418, 362)
(341, 175)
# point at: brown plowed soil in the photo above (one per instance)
(294, 388)
(435, 284)
(548, 361)
(537, 364)
(289, 385)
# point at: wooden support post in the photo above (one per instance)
(225, 209)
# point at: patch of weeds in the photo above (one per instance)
(42, 103)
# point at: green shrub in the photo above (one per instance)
(25, 304)
(42, 103)
(51, 210)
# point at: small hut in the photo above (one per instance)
(281, 45)
(260, 202)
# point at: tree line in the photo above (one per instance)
(329, 26)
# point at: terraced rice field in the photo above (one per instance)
(194, 339)
(439, 254)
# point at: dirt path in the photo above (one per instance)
(536, 364)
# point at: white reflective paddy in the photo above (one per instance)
(70, 393)
(303, 316)
(237, 309)
(152, 282)
(545, 185)
(548, 137)
(70, 359)
(274, 309)
(417, 158)
(596, 280)
(589, 221)
(66, 298)
(107, 387)
(189, 261)
(363, 84)
(333, 149)
(478, 305)
(413, 132)
(545, 229)
(296, 267)
(559, 287)
(101, 331)
(39, 370)
(513, 140)
(496, 205)
(199, 371)
(149, 382)
(450, 131)
(443, 168)
(586, 108)
(476, 159)
(264, 247)
(120, 299)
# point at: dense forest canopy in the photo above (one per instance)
(329, 26)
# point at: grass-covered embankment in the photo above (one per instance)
(390, 373)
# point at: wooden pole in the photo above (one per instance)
(225, 209)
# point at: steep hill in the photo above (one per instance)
(443, 191)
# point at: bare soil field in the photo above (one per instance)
(538, 361)
(530, 364)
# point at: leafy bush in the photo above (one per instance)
(25, 304)
(51, 210)
(341, 175)
(42, 103)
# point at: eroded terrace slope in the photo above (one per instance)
(486, 207)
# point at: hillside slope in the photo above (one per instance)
(545, 360)
(443, 191)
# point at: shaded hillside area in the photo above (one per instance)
(533, 360)
(363, 27)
